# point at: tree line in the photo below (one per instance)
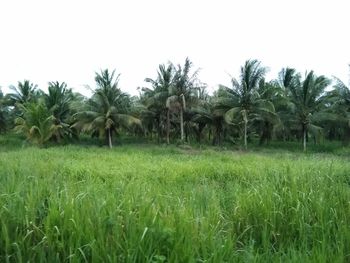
(177, 108)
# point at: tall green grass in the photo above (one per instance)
(164, 204)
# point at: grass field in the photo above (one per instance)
(141, 203)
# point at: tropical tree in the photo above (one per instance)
(307, 96)
(36, 123)
(3, 112)
(267, 124)
(206, 116)
(342, 91)
(155, 99)
(242, 101)
(182, 91)
(107, 110)
(339, 100)
(58, 100)
(23, 93)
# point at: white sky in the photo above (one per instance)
(68, 40)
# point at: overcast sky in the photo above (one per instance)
(68, 40)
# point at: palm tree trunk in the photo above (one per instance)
(158, 130)
(200, 130)
(182, 123)
(245, 120)
(304, 138)
(182, 108)
(217, 134)
(110, 138)
(245, 135)
(167, 126)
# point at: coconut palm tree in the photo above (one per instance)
(242, 101)
(107, 110)
(3, 112)
(266, 126)
(155, 99)
(206, 115)
(23, 93)
(339, 99)
(307, 96)
(182, 91)
(342, 93)
(58, 100)
(37, 122)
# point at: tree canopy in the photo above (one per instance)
(175, 106)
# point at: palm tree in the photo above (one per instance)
(37, 122)
(339, 99)
(270, 91)
(242, 101)
(155, 99)
(206, 115)
(283, 106)
(23, 93)
(182, 92)
(107, 110)
(307, 96)
(3, 112)
(58, 100)
(342, 91)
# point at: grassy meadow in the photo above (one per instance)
(147, 203)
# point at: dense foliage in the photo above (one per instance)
(176, 108)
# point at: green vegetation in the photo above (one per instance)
(106, 111)
(199, 195)
(243, 103)
(176, 108)
(144, 203)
